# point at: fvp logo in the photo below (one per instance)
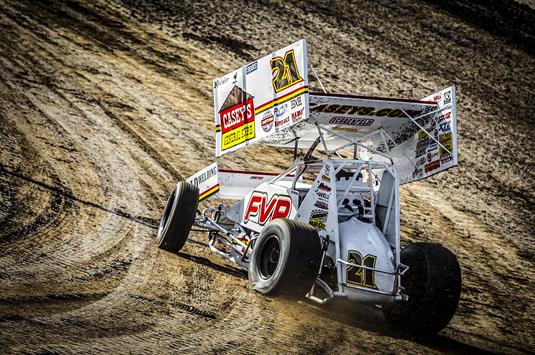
(261, 210)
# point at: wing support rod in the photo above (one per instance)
(352, 141)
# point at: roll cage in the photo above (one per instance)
(377, 204)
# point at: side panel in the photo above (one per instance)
(268, 202)
(261, 98)
(386, 208)
(235, 185)
(319, 208)
(362, 244)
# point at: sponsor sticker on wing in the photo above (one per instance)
(237, 119)
(447, 141)
(267, 121)
(276, 84)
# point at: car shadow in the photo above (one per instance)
(355, 315)
(217, 267)
(370, 318)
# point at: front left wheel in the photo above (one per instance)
(178, 217)
(286, 259)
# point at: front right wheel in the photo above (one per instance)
(178, 217)
(433, 284)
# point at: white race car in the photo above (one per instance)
(328, 226)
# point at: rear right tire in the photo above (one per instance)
(433, 284)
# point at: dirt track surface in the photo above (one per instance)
(104, 106)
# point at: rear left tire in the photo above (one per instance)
(286, 259)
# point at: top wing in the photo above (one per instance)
(268, 101)
(261, 98)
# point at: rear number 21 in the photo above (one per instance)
(360, 276)
(285, 72)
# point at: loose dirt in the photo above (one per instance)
(105, 105)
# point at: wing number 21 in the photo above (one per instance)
(285, 72)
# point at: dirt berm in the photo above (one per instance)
(105, 105)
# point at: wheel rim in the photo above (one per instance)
(165, 215)
(269, 256)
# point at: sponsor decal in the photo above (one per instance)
(251, 67)
(323, 195)
(281, 99)
(221, 81)
(285, 71)
(280, 110)
(237, 118)
(420, 161)
(422, 135)
(447, 141)
(358, 275)
(321, 204)
(260, 209)
(445, 116)
(363, 111)
(420, 152)
(296, 102)
(417, 172)
(348, 121)
(446, 160)
(206, 181)
(423, 144)
(447, 97)
(444, 127)
(432, 166)
(196, 181)
(297, 115)
(326, 174)
(319, 214)
(430, 156)
(267, 121)
(324, 187)
(282, 123)
(316, 223)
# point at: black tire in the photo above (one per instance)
(433, 284)
(178, 217)
(293, 272)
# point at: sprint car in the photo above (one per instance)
(329, 226)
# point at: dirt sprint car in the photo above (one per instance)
(328, 226)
